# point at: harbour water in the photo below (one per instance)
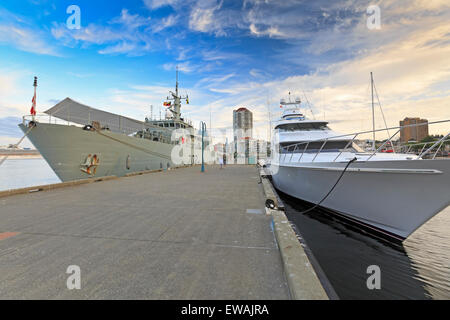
(25, 172)
(420, 269)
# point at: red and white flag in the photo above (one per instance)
(33, 106)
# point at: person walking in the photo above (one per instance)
(221, 162)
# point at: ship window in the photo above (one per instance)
(161, 125)
(172, 124)
(166, 125)
(307, 126)
(178, 125)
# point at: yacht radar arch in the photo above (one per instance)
(291, 108)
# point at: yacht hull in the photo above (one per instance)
(392, 197)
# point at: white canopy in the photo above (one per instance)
(76, 112)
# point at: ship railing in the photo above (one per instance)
(45, 118)
(302, 147)
(113, 125)
(410, 148)
(78, 122)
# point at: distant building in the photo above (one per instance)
(242, 123)
(242, 132)
(415, 133)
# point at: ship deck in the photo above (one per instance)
(177, 234)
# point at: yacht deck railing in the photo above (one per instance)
(434, 149)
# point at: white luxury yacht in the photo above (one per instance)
(390, 193)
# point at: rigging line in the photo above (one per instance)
(309, 105)
(17, 144)
(133, 146)
(384, 119)
(331, 190)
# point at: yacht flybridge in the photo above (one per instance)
(392, 194)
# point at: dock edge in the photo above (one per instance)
(303, 282)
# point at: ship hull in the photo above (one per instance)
(74, 153)
(392, 198)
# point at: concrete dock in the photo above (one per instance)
(178, 234)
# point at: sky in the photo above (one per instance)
(230, 54)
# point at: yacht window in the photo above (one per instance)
(330, 146)
(307, 126)
(172, 124)
(166, 125)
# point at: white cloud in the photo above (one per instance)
(125, 34)
(156, 4)
(18, 32)
(135, 101)
(215, 55)
(256, 73)
(122, 47)
(131, 21)
(412, 76)
(270, 31)
(14, 87)
(184, 67)
(92, 34)
(165, 23)
(212, 81)
(203, 17)
(410, 60)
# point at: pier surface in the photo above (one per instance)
(178, 234)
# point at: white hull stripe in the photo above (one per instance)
(373, 170)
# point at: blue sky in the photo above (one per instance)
(231, 54)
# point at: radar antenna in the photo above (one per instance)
(176, 98)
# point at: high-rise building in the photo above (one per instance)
(242, 132)
(242, 123)
(414, 133)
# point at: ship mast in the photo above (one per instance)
(373, 113)
(176, 108)
(176, 87)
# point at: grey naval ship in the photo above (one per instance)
(80, 142)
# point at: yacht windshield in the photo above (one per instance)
(315, 146)
(307, 126)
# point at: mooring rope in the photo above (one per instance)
(331, 190)
(135, 147)
(17, 144)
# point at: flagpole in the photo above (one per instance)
(34, 85)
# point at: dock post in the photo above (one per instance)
(203, 128)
